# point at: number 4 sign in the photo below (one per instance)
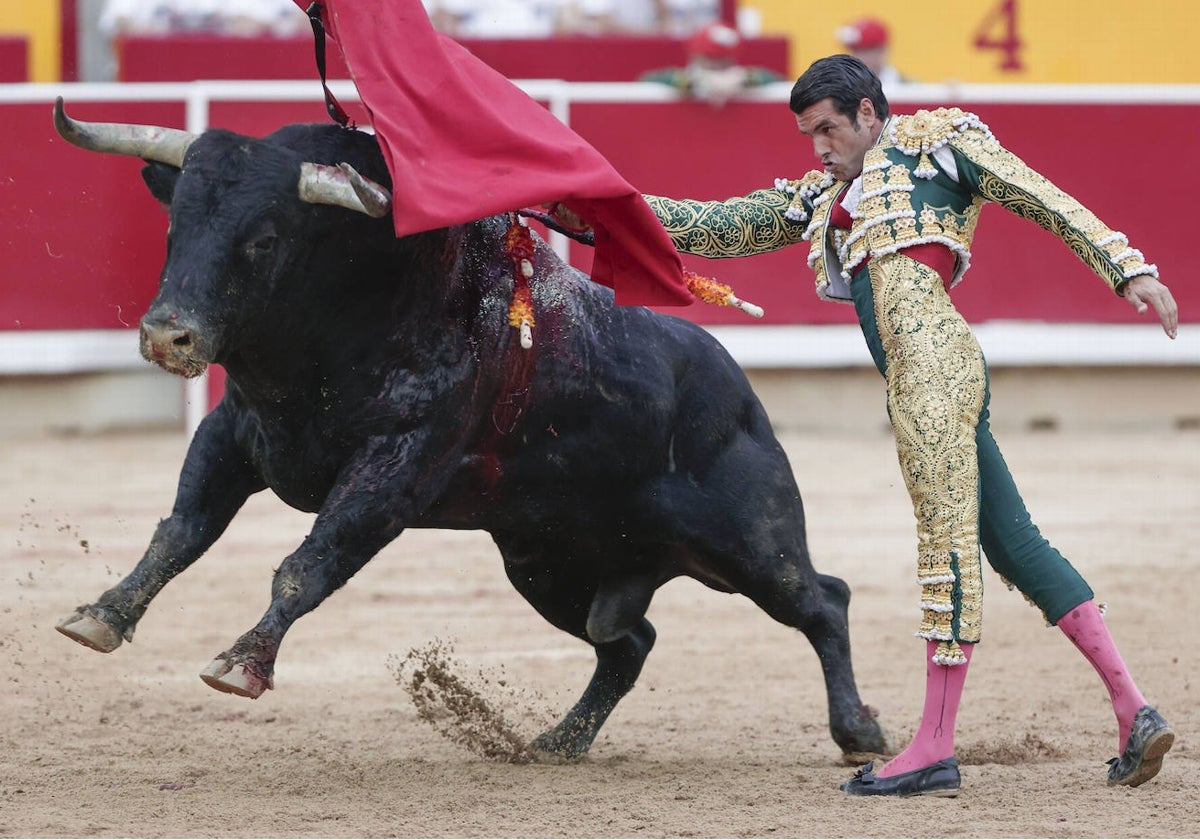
(998, 31)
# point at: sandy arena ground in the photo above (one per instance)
(725, 734)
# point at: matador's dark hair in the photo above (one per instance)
(845, 80)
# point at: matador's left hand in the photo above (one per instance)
(1144, 291)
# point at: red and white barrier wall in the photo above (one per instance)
(83, 240)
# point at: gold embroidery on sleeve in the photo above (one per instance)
(736, 227)
(1006, 180)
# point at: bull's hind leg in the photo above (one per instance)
(618, 665)
(821, 613)
(747, 527)
(565, 598)
(817, 605)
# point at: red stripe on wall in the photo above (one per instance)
(69, 39)
(84, 241)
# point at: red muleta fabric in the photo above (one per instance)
(463, 142)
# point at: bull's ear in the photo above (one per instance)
(160, 178)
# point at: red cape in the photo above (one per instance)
(463, 142)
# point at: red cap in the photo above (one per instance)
(863, 34)
(715, 41)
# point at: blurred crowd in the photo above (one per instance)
(713, 71)
(111, 19)
(282, 18)
(460, 18)
(546, 18)
(103, 21)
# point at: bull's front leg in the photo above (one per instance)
(215, 481)
(337, 548)
(375, 496)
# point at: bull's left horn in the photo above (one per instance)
(148, 142)
(342, 186)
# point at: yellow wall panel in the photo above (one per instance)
(1059, 41)
(39, 21)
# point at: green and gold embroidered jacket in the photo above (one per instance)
(925, 181)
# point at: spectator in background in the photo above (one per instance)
(712, 71)
(867, 40)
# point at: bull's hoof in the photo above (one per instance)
(90, 631)
(861, 737)
(235, 678)
(541, 756)
(554, 747)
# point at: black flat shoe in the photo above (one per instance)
(939, 779)
(1149, 739)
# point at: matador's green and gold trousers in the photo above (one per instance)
(962, 492)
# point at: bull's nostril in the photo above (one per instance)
(166, 338)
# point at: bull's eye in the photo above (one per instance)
(261, 246)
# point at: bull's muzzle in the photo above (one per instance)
(174, 347)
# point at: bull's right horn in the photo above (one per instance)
(148, 142)
(343, 186)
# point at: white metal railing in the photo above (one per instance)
(753, 346)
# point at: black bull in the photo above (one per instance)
(376, 382)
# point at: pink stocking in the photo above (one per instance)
(934, 740)
(1085, 627)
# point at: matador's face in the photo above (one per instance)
(840, 143)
